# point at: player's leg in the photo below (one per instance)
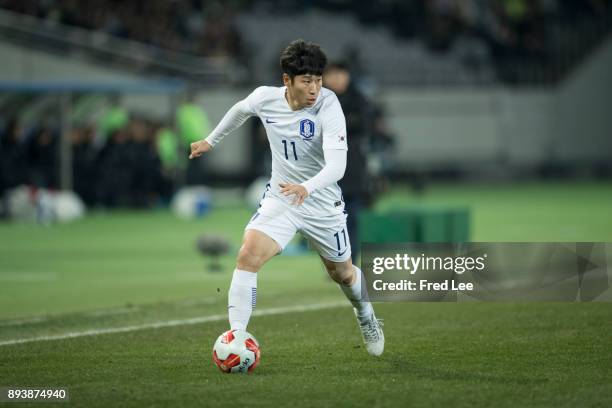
(265, 235)
(257, 248)
(349, 278)
(328, 235)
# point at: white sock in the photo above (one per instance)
(353, 293)
(241, 298)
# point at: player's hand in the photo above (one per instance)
(298, 190)
(199, 148)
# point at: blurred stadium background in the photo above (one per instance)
(490, 120)
(463, 90)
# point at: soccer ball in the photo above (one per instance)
(236, 351)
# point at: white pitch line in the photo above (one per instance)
(112, 312)
(20, 322)
(172, 323)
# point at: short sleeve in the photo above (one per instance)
(333, 125)
(254, 100)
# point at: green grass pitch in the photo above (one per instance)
(125, 269)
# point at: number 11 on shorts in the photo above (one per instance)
(337, 236)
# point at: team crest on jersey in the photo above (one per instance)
(307, 129)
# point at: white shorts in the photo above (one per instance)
(328, 235)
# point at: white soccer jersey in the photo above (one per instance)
(297, 140)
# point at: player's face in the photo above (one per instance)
(337, 80)
(304, 89)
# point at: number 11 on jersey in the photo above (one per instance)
(287, 153)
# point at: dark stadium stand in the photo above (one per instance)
(442, 41)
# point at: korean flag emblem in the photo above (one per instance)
(307, 129)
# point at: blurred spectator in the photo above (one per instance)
(443, 23)
(145, 165)
(114, 176)
(84, 163)
(43, 158)
(115, 118)
(125, 170)
(199, 27)
(168, 152)
(357, 111)
(12, 160)
(193, 125)
(129, 169)
(516, 32)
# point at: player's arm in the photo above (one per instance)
(233, 119)
(332, 172)
(334, 151)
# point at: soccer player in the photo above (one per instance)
(306, 130)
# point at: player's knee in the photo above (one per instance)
(342, 274)
(249, 258)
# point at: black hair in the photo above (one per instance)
(300, 58)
